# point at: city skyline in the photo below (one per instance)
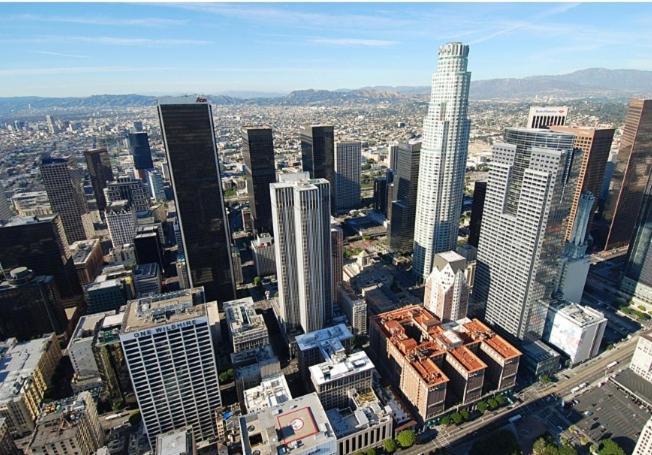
(74, 50)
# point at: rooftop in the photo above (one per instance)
(23, 220)
(581, 315)
(271, 392)
(338, 367)
(82, 249)
(424, 341)
(315, 339)
(298, 423)
(59, 420)
(539, 351)
(367, 411)
(241, 316)
(163, 309)
(18, 362)
(175, 442)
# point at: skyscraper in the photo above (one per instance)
(258, 155)
(637, 276)
(595, 144)
(40, 245)
(318, 153)
(64, 188)
(140, 151)
(99, 168)
(547, 116)
(347, 175)
(126, 187)
(447, 289)
(404, 197)
(188, 135)
(479, 191)
(121, 221)
(531, 182)
(337, 259)
(169, 350)
(443, 159)
(631, 174)
(302, 241)
(5, 207)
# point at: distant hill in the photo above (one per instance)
(592, 82)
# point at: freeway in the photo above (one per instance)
(588, 372)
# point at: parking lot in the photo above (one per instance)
(608, 412)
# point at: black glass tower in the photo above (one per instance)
(139, 148)
(40, 245)
(258, 154)
(479, 191)
(318, 154)
(99, 168)
(188, 135)
(637, 279)
(404, 204)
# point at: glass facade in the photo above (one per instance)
(139, 149)
(258, 155)
(188, 134)
(99, 168)
(318, 153)
(404, 205)
(638, 269)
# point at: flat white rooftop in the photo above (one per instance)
(271, 392)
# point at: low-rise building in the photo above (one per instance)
(33, 203)
(540, 359)
(644, 443)
(110, 360)
(80, 350)
(641, 362)
(354, 307)
(313, 346)
(263, 251)
(334, 378)
(176, 442)
(576, 330)
(7, 445)
(247, 329)
(147, 279)
(26, 371)
(69, 426)
(362, 425)
(271, 392)
(88, 259)
(298, 427)
(428, 360)
(252, 366)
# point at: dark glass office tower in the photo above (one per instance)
(40, 245)
(63, 184)
(404, 205)
(631, 174)
(479, 191)
(380, 194)
(139, 149)
(637, 279)
(188, 135)
(148, 245)
(318, 154)
(28, 306)
(258, 154)
(99, 168)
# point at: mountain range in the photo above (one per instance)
(587, 83)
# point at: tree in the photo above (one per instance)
(500, 398)
(257, 281)
(227, 376)
(465, 414)
(493, 404)
(370, 451)
(482, 406)
(406, 438)
(118, 404)
(389, 445)
(134, 419)
(446, 420)
(457, 418)
(610, 447)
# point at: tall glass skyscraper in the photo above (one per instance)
(318, 154)
(140, 151)
(99, 168)
(532, 180)
(443, 159)
(637, 279)
(258, 155)
(631, 174)
(188, 135)
(404, 199)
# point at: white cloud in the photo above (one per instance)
(353, 42)
(139, 22)
(60, 54)
(77, 70)
(108, 40)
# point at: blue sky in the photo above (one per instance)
(84, 49)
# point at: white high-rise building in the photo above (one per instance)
(170, 355)
(641, 363)
(121, 221)
(447, 289)
(443, 159)
(302, 242)
(347, 175)
(337, 258)
(644, 442)
(531, 183)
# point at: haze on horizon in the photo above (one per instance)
(81, 50)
